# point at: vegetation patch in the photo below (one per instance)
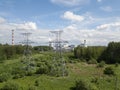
(109, 71)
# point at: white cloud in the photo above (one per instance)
(70, 2)
(2, 20)
(21, 26)
(108, 26)
(71, 27)
(106, 8)
(6, 27)
(73, 17)
(26, 26)
(101, 35)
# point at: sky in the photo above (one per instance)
(96, 21)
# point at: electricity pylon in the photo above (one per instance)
(27, 54)
(58, 58)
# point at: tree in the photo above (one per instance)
(111, 53)
(88, 53)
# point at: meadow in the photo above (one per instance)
(13, 74)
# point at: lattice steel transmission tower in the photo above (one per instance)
(57, 45)
(27, 54)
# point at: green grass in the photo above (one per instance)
(79, 70)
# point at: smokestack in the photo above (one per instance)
(12, 37)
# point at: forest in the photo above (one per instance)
(109, 54)
(10, 51)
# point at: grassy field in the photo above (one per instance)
(76, 71)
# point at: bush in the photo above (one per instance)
(1, 60)
(92, 61)
(16, 76)
(39, 64)
(32, 64)
(29, 73)
(82, 85)
(37, 83)
(10, 86)
(18, 72)
(4, 77)
(116, 64)
(95, 80)
(42, 70)
(101, 64)
(32, 88)
(109, 71)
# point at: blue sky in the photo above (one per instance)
(97, 21)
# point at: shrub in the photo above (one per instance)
(116, 64)
(101, 64)
(43, 69)
(109, 71)
(10, 86)
(92, 61)
(37, 83)
(109, 80)
(82, 85)
(1, 60)
(39, 64)
(29, 73)
(32, 64)
(4, 77)
(95, 80)
(16, 76)
(18, 72)
(32, 88)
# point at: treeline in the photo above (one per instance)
(10, 52)
(42, 48)
(88, 53)
(109, 54)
